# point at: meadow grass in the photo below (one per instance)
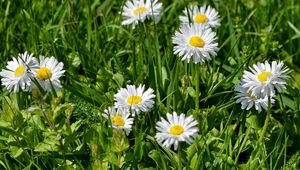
(100, 56)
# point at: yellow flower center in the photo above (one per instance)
(139, 10)
(118, 121)
(19, 71)
(200, 18)
(196, 41)
(176, 130)
(43, 73)
(264, 76)
(132, 100)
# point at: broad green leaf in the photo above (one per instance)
(158, 158)
(16, 152)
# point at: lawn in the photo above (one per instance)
(110, 93)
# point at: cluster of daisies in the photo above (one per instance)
(195, 39)
(129, 101)
(260, 84)
(25, 73)
(132, 100)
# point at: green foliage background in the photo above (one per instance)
(101, 56)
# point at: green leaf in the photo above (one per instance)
(286, 101)
(119, 141)
(75, 59)
(36, 119)
(149, 168)
(9, 109)
(252, 121)
(66, 108)
(16, 152)
(66, 167)
(119, 79)
(158, 158)
(11, 132)
(191, 91)
(138, 147)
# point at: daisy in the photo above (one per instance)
(176, 129)
(136, 99)
(204, 15)
(136, 11)
(17, 74)
(119, 118)
(48, 73)
(196, 42)
(248, 100)
(263, 78)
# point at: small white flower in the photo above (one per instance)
(119, 118)
(176, 129)
(196, 42)
(248, 100)
(135, 99)
(204, 15)
(136, 11)
(48, 73)
(17, 74)
(263, 78)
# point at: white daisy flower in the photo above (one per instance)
(176, 129)
(119, 118)
(263, 78)
(248, 100)
(17, 74)
(196, 42)
(48, 73)
(136, 11)
(136, 99)
(204, 15)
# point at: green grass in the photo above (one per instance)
(101, 56)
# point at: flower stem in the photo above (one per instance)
(197, 89)
(262, 134)
(134, 62)
(179, 156)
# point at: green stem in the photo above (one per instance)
(19, 100)
(179, 156)
(197, 89)
(262, 134)
(134, 62)
(47, 119)
(62, 147)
